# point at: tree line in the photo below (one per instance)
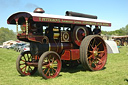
(119, 32)
(6, 34)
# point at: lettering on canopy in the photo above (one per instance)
(68, 21)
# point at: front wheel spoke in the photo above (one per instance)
(55, 65)
(26, 69)
(55, 69)
(22, 60)
(46, 65)
(23, 67)
(44, 69)
(49, 73)
(48, 60)
(30, 69)
(22, 64)
(28, 56)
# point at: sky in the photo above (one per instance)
(115, 11)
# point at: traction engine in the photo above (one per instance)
(58, 41)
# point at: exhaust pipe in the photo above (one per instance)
(75, 14)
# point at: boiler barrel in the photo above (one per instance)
(59, 47)
(70, 13)
(37, 48)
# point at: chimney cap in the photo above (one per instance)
(39, 10)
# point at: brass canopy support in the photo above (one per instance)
(26, 26)
(16, 25)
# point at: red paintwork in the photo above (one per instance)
(83, 34)
(36, 38)
(66, 55)
(78, 43)
(75, 54)
(71, 54)
(17, 16)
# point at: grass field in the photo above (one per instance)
(115, 72)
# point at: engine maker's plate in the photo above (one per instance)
(65, 36)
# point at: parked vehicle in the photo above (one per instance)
(12, 46)
(18, 46)
(25, 48)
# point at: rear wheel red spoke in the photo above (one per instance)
(47, 71)
(90, 56)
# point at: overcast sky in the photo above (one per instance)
(115, 11)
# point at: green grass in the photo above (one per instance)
(115, 72)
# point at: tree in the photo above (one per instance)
(6, 34)
(121, 31)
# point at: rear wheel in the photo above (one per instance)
(49, 65)
(93, 53)
(21, 64)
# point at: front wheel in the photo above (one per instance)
(49, 65)
(93, 53)
(21, 64)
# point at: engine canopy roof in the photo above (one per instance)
(42, 17)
